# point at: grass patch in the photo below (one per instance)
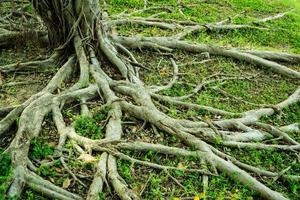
(5, 173)
(88, 127)
(91, 126)
(272, 161)
(40, 150)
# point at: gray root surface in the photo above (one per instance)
(77, 35)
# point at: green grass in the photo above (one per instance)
(272, 161)
(91, 126)
(159, 185)
(40, 150)
(125, 170)
(5, 173)
(289, 115)
(282, 35)
(87, 126)
(31, 195)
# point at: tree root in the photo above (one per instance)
(11, 38)
(121, 89)
(33, 65)
(146, 42)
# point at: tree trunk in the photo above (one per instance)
(67, 19)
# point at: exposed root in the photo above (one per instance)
(99, 178)
(262, 146)
(63, 74)
(11, 38)
(141, 22)
(291, 128)
(124, 93)
(276, 56)
(146, 42)
(48, 189)
(29, 66)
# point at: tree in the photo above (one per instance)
(81, 34)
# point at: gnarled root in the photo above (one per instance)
(124, 92)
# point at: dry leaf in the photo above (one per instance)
(114, 31)
(180, 166)
(200, 196)
(52, 144)
(66, 183)
(58, 170)
(163, 72)
(137, 189)
(87, 158)
(134, 129)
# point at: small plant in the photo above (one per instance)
(87, 126)
(177, 90)
(90, 126)
(101, 114)
(5, 173)
(31, 195)
(40, 150)
(46, 171)
(101, 196)
(124, 170)
(155, 187)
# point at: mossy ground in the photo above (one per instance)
(264, 88)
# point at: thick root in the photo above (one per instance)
(153, 42)
(122, 90)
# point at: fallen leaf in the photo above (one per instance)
(134, 129)
(58, 170)
(87, 158)
(201, 196)
(137, 189)
(114, 31)
(66, 183)
(180, 166)
(197, 198)
(52, 144)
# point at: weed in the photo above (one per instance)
(101, 196)
(40, 150)
(87, 126)
(46, 171)
(91, 126)
(31, 195)
(5, 173)
(124, 168)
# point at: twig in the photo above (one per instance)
(145, 186)
(71, 173)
